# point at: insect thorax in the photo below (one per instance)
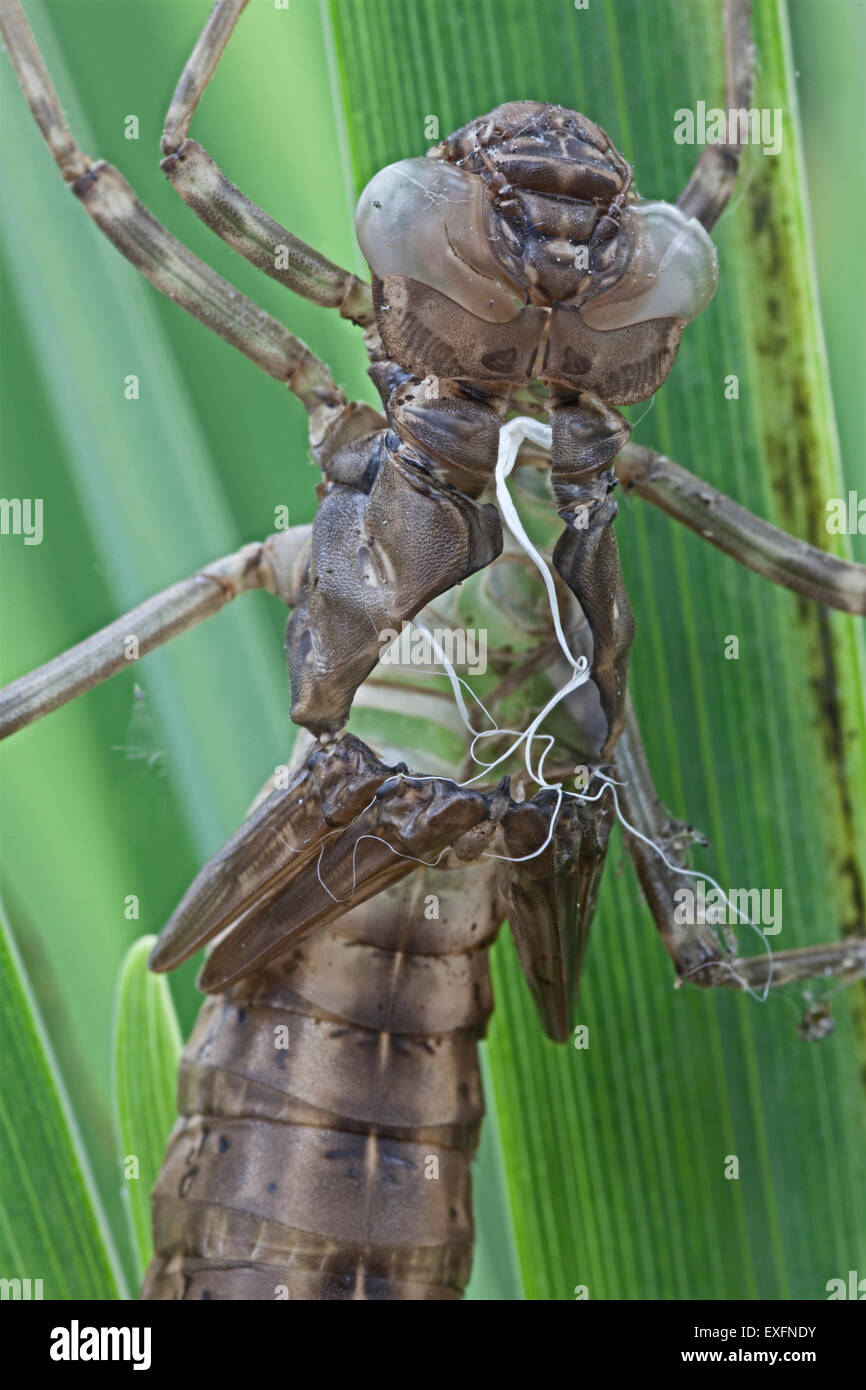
(518, 248)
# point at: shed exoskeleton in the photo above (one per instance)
(517, 253)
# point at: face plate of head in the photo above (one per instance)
(518, 248)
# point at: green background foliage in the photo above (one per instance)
(145, 1084)
(52, 1226)
(602, 1167)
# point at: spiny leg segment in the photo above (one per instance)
(229, 212)
(747, 538)
(655, 840)
(693, 948)
(161, 258)
(708, 191)
(274, 565)
(656, 843)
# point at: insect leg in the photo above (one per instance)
(693, 947)
(229, 212)
(586, 437)
(747, 538)
(844, 961)
(272, 565)
(161, 258)
(397, 526)
(707, 192)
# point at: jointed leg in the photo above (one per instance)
(228, 211)
(166, 263)
(844, 961)
(275, 565)
(586, 438)
(707, 192)
(755, 543)
(390, 535)
(739, 533)
(694, 949)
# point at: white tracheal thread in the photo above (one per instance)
(296, 849)
(633, 424)
(607, 782)
(511, 436)
(510, 439)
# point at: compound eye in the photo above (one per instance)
(672, 274)
(424, 219)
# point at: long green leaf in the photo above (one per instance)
(615, 1155)
(54, 1238)
(147, 1046)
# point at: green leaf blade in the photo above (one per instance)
(146, 1055)
(52, 1227)
(615, 1156)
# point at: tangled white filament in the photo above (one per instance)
(511, 436)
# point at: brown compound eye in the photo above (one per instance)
(672, 271)
(424, 219)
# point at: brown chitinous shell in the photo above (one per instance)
(555, 184)
(518, 249)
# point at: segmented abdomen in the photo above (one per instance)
(330, 1106)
